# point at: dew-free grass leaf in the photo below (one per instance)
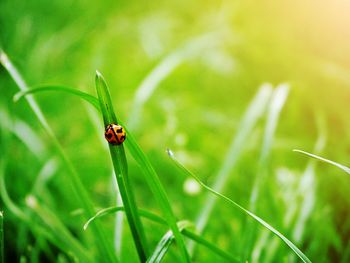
(343, 167)
(104, 249)
(121, 171)
(155, 218)
(1, 236)
(164, 244)
(113, 209)
(150, 174)
(158, 191)
(296, 250)
(42, 88)
(253, 113)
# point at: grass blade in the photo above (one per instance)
(53, 223)
(191, 48)
(105, 251)
(164, 244)
(277, 102)
(343, 167)
(2, 245)
(150, 174)
(278, 99)
(155, 218)
(198, 239)
(37, 229)
(296, 250)
(89, 98)
(158, 191)
(113, 209)
(121, 170)
(253, 113)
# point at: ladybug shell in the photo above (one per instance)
(115, 134)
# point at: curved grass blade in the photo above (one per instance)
(55, 225)
(155, 218)
(343, 167)
(296, 250)
(152, 179)
(89, 98)
(191, 48)
(24, 133)
(164, 244)
(113, 209)
(277, 101)
(118, 158)
(38, 229)
(254, 111)
(121, 170)
(2, 258)
(105, 251)
(198, 239)
(158, 191)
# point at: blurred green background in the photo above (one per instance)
(182, 74)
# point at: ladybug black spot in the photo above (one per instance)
(120, 130)
(109, 135)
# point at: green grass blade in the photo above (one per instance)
(54, 224)
(36, 228)
(121, 170)
(254, 111)
(297, 251)
(164, 244)
(105, 251)
(155, 218)
(158, 191)
(191, 48)
(277, 102)
(42, 88)
(24, 133)
(278, 99)
(198, 239)
(2, 245)
(113, 209)
(343, 167)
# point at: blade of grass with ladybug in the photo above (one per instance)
(120, 166)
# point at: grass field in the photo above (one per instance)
(236, 120)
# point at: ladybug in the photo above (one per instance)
(115, 134)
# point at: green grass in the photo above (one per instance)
(2, 236)
(201, 79)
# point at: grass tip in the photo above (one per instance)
(3, 57)
(169, 152)
(16, 97)
(98, 74)
(31, 201)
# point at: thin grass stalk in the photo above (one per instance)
(2, 256)
(151, 178)
(159, 193)
(157, 219)
(165, 242)
(35, 228)
(56, 226)
(104, 249)
(121, 171)
(254, 111)
(277, 102)
(289, 243)
(191, 48)
(118, 221)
